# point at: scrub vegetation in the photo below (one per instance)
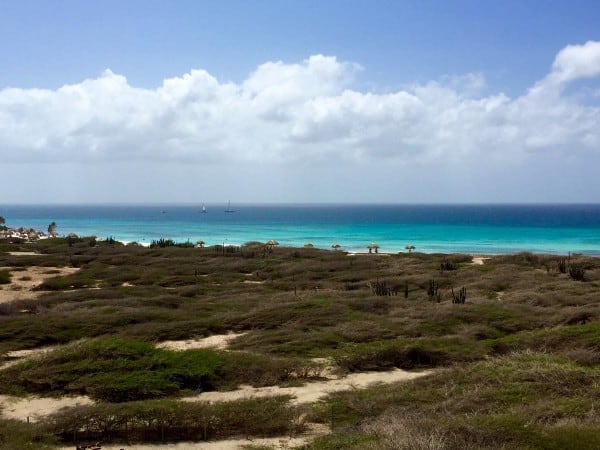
(514, 344)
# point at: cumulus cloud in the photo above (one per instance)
(577, 61)
(298, 113)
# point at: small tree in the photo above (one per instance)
(2, 221)
(52, 229)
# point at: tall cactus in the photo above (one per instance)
(461, 297)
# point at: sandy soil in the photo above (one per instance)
(229, 444)
(37, 407)
(19, 289)
(17, 356)
(372, 253)
(25, 254)
(311, 392)
(217, 341)
(480, 260)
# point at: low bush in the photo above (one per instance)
(4, 277)
(388, 355)
(522, 400)
(115, 370)
(170, 420)
(577, 272)
(16, 435)
(121, 370)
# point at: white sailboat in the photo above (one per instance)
(203, 210)
(229, 210)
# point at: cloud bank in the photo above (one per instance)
(301, 113)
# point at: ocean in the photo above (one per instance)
(482, 229)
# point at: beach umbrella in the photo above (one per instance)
(373, 246)
(336, 246)
(272, 243)
(201, 243)
(308, 245)
(410, 248)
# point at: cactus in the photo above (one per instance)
(381, 288)
(461, 297)
(433, 291)
(562, 265)
(577, 272)
(446, 265)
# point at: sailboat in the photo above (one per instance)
(203, 210)
(229, 210)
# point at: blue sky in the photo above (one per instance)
(48, 44)
(439, 92)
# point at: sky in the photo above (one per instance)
(299, 101)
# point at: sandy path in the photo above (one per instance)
(25, 254)
(37, 407)
(16, 356)
(311, 392)
(229, 444)
(23, 282)
(217, 341)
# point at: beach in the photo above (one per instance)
(474, 229)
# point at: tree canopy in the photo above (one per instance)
(52, 228)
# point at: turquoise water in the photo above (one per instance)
(487, 229)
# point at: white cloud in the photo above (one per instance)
(299, 113)
(577, 61)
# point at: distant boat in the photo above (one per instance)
(203, 210)
(229, 210)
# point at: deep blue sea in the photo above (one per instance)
(485, 229)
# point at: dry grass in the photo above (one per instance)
(292, 305)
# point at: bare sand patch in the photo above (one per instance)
(25, 254)
(17, 356)
(216, 341)
(229, 444)
(370, 254)
(253, 282)
(480, 260)
(23, 282)
(311, 392)
(37, 408)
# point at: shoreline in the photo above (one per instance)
(352, 238)
(25, 235)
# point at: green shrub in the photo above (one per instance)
(116, 370)
(120, 370)
(577, 272)
(16, 435)
(170, 420)
(4, 277)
